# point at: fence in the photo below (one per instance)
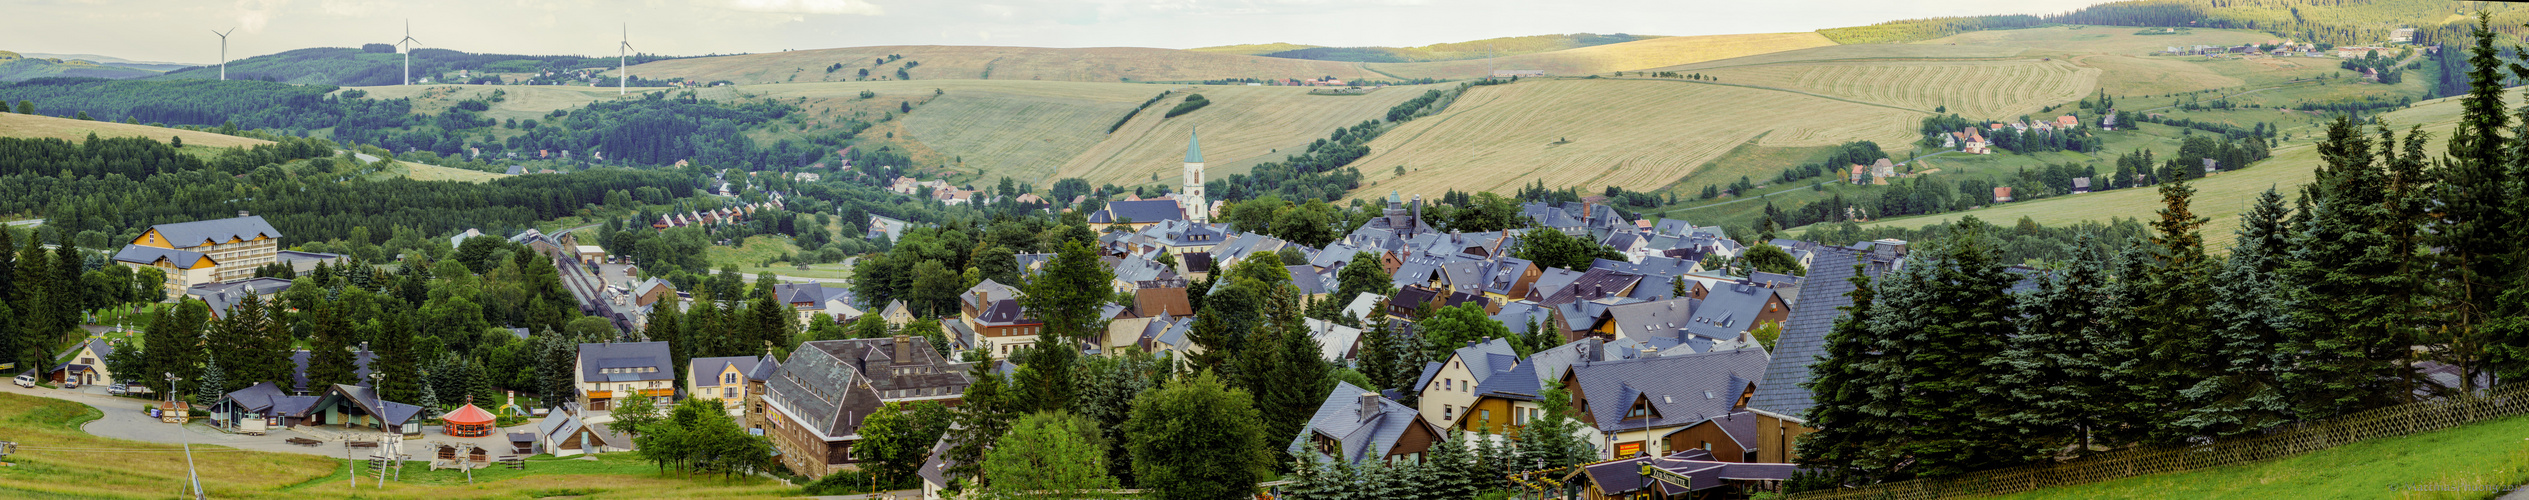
(2294, 439)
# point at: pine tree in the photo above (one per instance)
(554, 369)
(1450, 470)
(1378, 358)
(1045, 377)
(1963, 322)
(396, 360)
(1548, 440)
(429, 400)
(2347, 313)
(34, 301)
(210, 385)
(2172, 318)
(2244, 397)
(983, 415)
(2057, 374)
(2476, 233)
(1858, 417)
(330, 343)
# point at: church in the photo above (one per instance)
(1188, 204)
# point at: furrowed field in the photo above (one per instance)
(1640, 134)
(1243, 126)
(1975, 89)
(1628, 56)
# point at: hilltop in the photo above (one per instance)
(70, 129)
(19, 67)
(939, 62)
(380, 64)
(1454, 51)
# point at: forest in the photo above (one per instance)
(379, 64)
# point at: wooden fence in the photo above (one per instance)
(2288, 440)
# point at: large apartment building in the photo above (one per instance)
(209, 251)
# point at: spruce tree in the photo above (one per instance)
(1856, 411)
(983, 415)
(2476, 232)
(34, 304)
(330, 359)
(1963, 319)
(1378, 359)
(2056, 375)
(2172, 318)
(210, 385)
(554, 375)
(396, 359)
(2244, 396)
(2346, 276)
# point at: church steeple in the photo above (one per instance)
(1194, 147)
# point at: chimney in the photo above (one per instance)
(904, 349)
(1370, 406)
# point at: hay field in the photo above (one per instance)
(1104, 64)
(1242, 126)
(75, 130)
(2128, 75)
(1640, 134)
(2098, 39)
(420, 172)
(1864, 52)
(1974, 89)
(2221, 197)
(519, 102)
(1628, 56)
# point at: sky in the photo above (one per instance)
(181, 30)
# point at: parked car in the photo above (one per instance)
(26, 379)
(70, 383)
(115, 390)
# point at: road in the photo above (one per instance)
(28, 222)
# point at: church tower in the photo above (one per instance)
(1197, 209)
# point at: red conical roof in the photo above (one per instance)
(469, 415)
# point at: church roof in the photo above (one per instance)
(1194, 147)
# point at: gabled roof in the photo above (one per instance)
(1139, 212)
(596, 358)
(1729, 310)
(1682, 389)
(1361, 438)
(706, 371)
(1653, 319)
(1823, 295)
(189, 234)
(822, 392)
(145, 255)
(1334, 341)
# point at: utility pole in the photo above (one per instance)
(189, 471)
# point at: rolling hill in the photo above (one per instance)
(1636, 133)
(1628, 56)
(1242, 127)
(937, 62)
(14, 68)
(1973, 89)
(40, 126)
(1455, 51)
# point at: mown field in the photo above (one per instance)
(2481, 457)
(1973, 89)
(57, 460)
(74, 130)
(1104, 64)
(2098, 39)
(2221, 197)
(519, 102)
(1641, 134)
(1869, 52)
(1629, 56)
(1243, 126)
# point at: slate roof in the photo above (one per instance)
(222, 296)
(1729, 309)
(1550, 280)
(1484, 360)
(1140, 212)
(1136, 268)
(823, 392)
(1517, 315)
(1341, 417)
(1519, 383)
(367, 399)
(999, 304)
(191, 234)
(1624, 477)
(1310, 281)
(145, 255)
(595, 358)
(1652, 319)
(706, 371)
(256, 398)
(1823, 294)
(1334, 341)
(813, 294)
(875, 359)
(1682, 390)
(1504, 275)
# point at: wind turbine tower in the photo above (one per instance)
(623, 71)
(224, 51)
(408, 42)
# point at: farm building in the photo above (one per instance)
(2002, 194)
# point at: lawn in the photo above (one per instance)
(57, 460)
(2489, 454)
(753, 252)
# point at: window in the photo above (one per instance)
(728, 378)
(1639, 410)
(1488, 415)
(1449, 384)
(730, 392)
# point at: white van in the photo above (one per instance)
(26, 380)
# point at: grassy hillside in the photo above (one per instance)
(1242, 127)
(2099, 39)
(1252, 49)
(1872, 53)
(1109, 64)
(18, 69)
(57, 460)
(2221, 197)
(2480, 455)
(17, 125)
(1458, 51)
(378, 64)
(518, 102)
(1628, 56)
(1640, 134)
(1974, 89)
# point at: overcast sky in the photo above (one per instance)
(180, 30)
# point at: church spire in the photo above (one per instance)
(1194, 147)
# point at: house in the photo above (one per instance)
(1682, 475)
(459, 239)
(259, 407)
(900, 369)
(991, 310)
(2212, 166)
(1447, 387)
(1824, 294)
(611, 370)
(85, 364)
(2108, 122)
(565, 434)
(1161, 298)
(896, 313)
(2080, 185)
(208, 251)
(1506, 404)
(1649, 404)
(2002, 194)
(651, 291)
(1883, 168)
(811, 300)
(1728, 313)
(881, 226)
(1136, 215)
(349, 406)
(1337, 343)
(1357, 425)
(732, 381)
(814, 406)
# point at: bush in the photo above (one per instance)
(1192, 102)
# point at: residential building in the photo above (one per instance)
(1647, 405)
(881, 226)
(1682, 475)
(731, 381)
(901, 369)
(1803, 342)
(198, 252)
(811, 300)
(223, 297)
(991, 310)
(85, 364)
(814, 406)
(1447, 387)
(1357, 425)
(613, 370)
(1136, 215)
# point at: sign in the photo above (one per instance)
(1628, 449)
(1668, 476)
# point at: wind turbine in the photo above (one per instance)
(408, 42)
(224, 51)
(623, 71)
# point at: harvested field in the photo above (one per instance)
(1628, 56)
(1974, 89)
(75, 130)
(2128, 75)
(1639, 134)
(1243, 126)
(1104, 64)
(1866, 52)
(2098, 39)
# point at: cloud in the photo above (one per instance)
(851, 7)
(353, 8)
(253, 15)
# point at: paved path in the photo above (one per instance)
(28, 222)
(127, 418)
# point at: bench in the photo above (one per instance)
(304, 442)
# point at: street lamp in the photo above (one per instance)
(376, 378)
(189, 471)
